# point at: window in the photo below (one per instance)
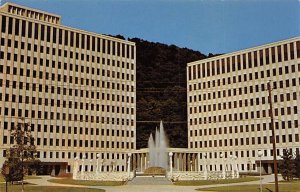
(66, 37)
(54, 36)
(279, 53)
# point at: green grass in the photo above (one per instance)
(214, 182)
(26, 177)
(1, 178)
(293, 181)
(31, 188)
(87, 183)
(283, 187)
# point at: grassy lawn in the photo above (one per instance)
(26, 177)
(1, 178)
(283, 187)
(213, 182)
(87, 183)
(32, 188)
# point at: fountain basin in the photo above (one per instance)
(155, 171)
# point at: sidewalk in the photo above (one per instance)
(266, 179)
(149, 188)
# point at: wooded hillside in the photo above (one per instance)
(161, 90)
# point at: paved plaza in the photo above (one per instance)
(149, 184)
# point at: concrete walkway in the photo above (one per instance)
(146, 185)
(266, 179)
(149, 180)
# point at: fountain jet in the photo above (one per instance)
(158, 148)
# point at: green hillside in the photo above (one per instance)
(161, 90)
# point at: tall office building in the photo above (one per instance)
(75, 88)
(228, 107)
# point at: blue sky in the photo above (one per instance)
(209, 26)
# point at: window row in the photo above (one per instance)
(243, 61)
(76, 119)
(245, 153)
(239, 104)
(238, 79)
(244, 141)
(65, 37)
(70, 90)
(73, 155)
(77, 130)
(33, 14)
(278, 96)
(244, 116)
(77, 143)
(71, 104)
(104, 108)
(243, 167)
(242, 128)
(65, 53)
(46, 75)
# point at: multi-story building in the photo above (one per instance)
(75, 88)
(228, 106)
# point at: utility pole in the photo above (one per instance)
(273, 138)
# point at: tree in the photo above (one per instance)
(12, 170)
(288, 166)
(21, 157)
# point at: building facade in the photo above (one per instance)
(228, 106)
(75, 88)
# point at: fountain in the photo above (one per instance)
(158, 149)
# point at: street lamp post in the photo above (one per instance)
(97, 169)
(236, 167)
(273, 137)
(260, 153)
(128, 164)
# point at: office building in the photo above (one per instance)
(75, 88)
(228, 106)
